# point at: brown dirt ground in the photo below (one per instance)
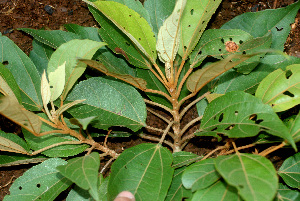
(32, 14)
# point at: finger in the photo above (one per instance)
(125, 196)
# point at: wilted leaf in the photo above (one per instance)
(137, 82)
(200, 175)
(201, 77)
(238, 114)
(130, 23)
(41, 182)
(145, 170)
(84, 172)
(254, 176)
(16, 113)
(168, 36)
(11, 159)
(57, 81)
(68, 53)
(281, 89)
(219, 191)
(195, 17)
(290, 171)
(113, 103)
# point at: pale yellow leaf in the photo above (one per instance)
(211, 97)
(67, 106)
(6, 90)
(45, 90)
(8, 145)
(57, 81)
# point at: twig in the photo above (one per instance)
(165, 132)
(183, 80)
(106, 165)
(216, 149)
(105, 140)
(155, 139)
(272, 149)
(158, 115)
(55, 145)
(189, 124)
(192, 103)
(159, 105)
(160, 130)
(239, 148)
(10, 181)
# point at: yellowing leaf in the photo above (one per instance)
(211, 97)
(14, 111)
(168, 35)
(57, 81)
(6, 90)
(45, 90)
(67, 106)
(8, 145)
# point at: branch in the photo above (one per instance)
(158, 115)
(155, 139)
(166, 132)
(189, 124)
(55, 145)
(159, 105)
(272, 149)
(160, 130)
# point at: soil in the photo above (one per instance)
(53, 14)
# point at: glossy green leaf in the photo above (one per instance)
(200, 175)
(194, 21)
(290, 171)
(260, 23)
(84, 172)
(82, 122)
(201, 77)
(39, 142)
(90, 33)
(281, 89)
(69, 53)
(130, 23)
(41, 182)
(254, 176)
(184, 158)
(14, 159)
(40, 55)
(24, 72)
(284, 193)
(219, 191)
(158, 12)
(294, 127)
(12, 143)
(212, 43)
(145, 170)
(177, 191)
(53, 38)
(238, 114)
(8, 84)
(113, 103)
(79, 194)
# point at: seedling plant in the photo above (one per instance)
(157, 56)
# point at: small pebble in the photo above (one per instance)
(49, 9)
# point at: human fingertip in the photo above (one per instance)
(125, 196)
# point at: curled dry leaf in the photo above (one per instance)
(8, 145)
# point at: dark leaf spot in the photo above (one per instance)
(288, 94)
(230, 127)
(51, 87)
(288, 74)
(236, 113)
(140, 39)
(127, 43)
(203, 22)
(220, 50)
(253, 117)
(244, 52)
(222, 40)
(192, 11)
(241, 42)
(38, 185)
(5, 63)
(20, 188)
(221, 117)
(189, 25)
(129, 15)
(279, 29)
(214, 129)
(230, 39)
(200, 52)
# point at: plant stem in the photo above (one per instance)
(55, 145)
(165, 132)
(155, 139)
(158, 105)
(160, 130)
(183, 81)
(213, 151)
(272, 149)
(158, 115)
(189, 124)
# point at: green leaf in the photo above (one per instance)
(219, 191)
(238, 114)
(145, 170)
(12, 143)
(260, 23)
(24, 72)
(254, 176)
(82, 122)
(194, 21)
(39, 142)
(79, 194)
(212, 43)
(118, 42)
(290, 171)
(42, 182)
(184, 158)
(177, 190)
(200, 175)
(294, 127)
(201, 77)
(84, 172)
(14, 159)
(40, 55)
(130, 23)
(158, 12)
(69, 52)
(280, 89)
(90, 33)
(57, 81)
(113, 103)
(8, 84)
(284, 193)
(234, 81)
(53, 38)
